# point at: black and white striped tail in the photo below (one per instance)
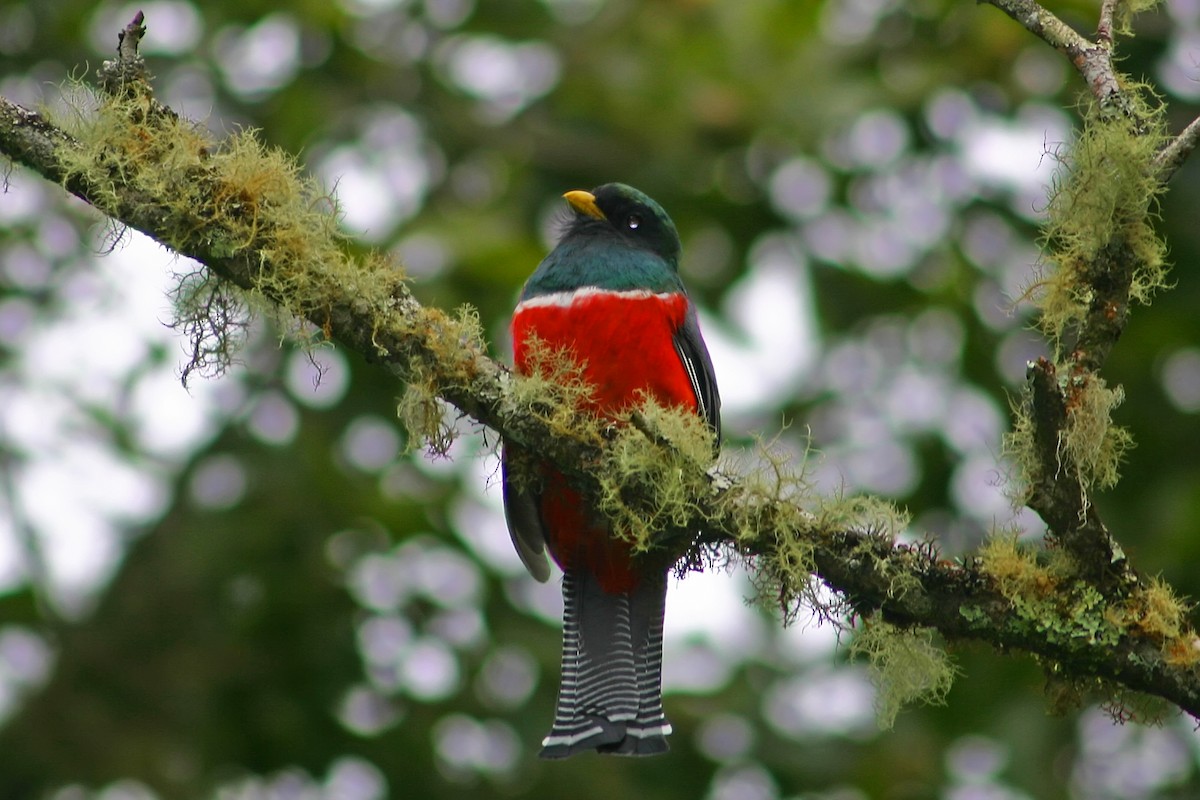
(610, 698)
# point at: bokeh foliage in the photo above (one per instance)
(313, 608)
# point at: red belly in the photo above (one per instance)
(625, 343)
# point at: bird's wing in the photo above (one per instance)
(696, 361)
(524, 523)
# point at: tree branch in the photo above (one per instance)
(1171, 157)
(249, 234)
(1092, 61)
(1104, 30)
(1058, 495)
(1102, 257)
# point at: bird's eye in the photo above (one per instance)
(634, 222)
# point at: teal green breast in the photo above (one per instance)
(595, 261)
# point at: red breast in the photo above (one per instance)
(625, 342)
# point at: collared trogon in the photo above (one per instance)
(610, 295)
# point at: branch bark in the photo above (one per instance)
(1093, 61)
(1174, 154)
(1073, 629)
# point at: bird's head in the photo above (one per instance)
(617, 210)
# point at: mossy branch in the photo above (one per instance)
(246, 213)
(1101, 256)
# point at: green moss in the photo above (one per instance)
(1089, 441)
(554, 390)
(882, 522)
(128, 151)
(774, 475)
(879, 517)
(975, 616)
(1014, 568)
(1155, 612)
(658, 454)
(1125, 12)
(237, 198)
(423, 416)
(1047, 601)
(906, 666)
(1098, 238)
(1019, 447)
(1107, 192)
(777, 513)
(1089, 444)
(768, 513)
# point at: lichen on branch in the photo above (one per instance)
(1101, 256)
(906, 666)
(226, 199)
(1099, 242)
(270, 236)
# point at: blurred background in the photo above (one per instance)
(245, 588)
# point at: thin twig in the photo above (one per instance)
(128, 66)
(1093, 61)
(1104, 29)
(1171, 158)
(1059, 497)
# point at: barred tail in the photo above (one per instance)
(610, 698)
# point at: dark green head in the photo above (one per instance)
(616, 238)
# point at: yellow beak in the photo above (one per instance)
(584, 203)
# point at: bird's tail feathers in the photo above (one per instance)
(610, 698)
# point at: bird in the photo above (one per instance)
(610, 296)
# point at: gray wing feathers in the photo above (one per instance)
(525, 526)
(694, 355)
